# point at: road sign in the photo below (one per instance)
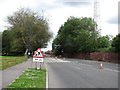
(38, 56)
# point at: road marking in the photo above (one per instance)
(110, 70)
(83, 64)
(76, 67)
(103, 68)
(58, 60)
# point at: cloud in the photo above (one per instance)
(75, 3)
(113, 20)
(48, 6)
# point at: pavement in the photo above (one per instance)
(76, 73)
(8, 75)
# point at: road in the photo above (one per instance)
(76, 73)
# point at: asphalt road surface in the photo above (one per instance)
(76, 73)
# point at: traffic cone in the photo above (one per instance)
(101, 66)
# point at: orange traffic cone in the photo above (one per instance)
(101, 66)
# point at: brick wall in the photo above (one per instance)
(77, 55)
(99, 56)
(82, 55)
(107, 57)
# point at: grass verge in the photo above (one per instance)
(31, 78)
(8, 61)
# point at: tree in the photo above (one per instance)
(116, 43)
(6, 42)
(29, 30)
(103, 42)
(77, 35)
(0, 43)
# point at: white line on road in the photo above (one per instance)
(59, 60)
(83, 64)
(103, 68)
(111, 70)
(76, 67)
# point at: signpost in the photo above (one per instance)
(38, 58)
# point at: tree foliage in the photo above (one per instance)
(76, 35)
(28, 30)
(0, 43)
(6, 42)
(116, 43)
(103, 42)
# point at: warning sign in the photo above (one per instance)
(38, 56)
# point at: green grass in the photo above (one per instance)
(31, 78)
(8, 61)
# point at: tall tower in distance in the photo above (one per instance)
(97, 15)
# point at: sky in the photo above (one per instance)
(58, 11)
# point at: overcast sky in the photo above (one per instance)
(57, 11)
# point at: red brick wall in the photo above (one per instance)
(109, 57)
(77, 55)
(99, 56)
(82, 55)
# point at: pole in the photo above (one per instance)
(36, 65)
(29, 39)
(40, 65)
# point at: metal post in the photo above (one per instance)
(40, 65)
(29, 39)
(36, 65)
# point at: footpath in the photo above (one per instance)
(10, 74)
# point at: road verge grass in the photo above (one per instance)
(31, 78)
(8, 61)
